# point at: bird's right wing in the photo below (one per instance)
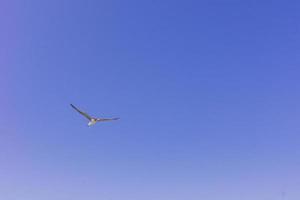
(107, 119)
(83, 113)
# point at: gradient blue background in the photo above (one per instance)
(207, 91)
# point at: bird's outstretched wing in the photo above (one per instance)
(107, 119)
(83, 113)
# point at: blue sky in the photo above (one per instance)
(207, 92)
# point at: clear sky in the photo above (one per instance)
(207, 92)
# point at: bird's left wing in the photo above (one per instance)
(83, 113)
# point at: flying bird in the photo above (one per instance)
(93, 120)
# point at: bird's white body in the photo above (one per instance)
(92, 122)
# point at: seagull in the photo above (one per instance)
(93, 120)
